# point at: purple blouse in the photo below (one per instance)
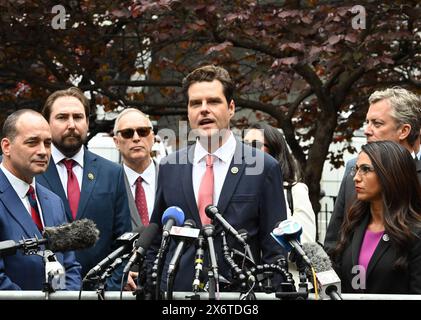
(369, 245)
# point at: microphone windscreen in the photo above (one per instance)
(147, 236)
(211, 211)
(175, 213)
(318, 257)
(139, 230)
(189, 223)
(79, 234)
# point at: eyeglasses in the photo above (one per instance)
(129, 133)
(362, 170)
(256, 144)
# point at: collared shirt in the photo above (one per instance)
(57, 157)
(148, 183)
(221, 163)
(21, 188)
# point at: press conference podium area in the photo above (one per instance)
(114, 295)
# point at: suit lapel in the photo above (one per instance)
(55, 185)
(418, 167)
(134, 214)
(16, 208)
(381, 248)
(90, 176)
(47, 209)
(186, 159)
(358, 237)
(234, 174)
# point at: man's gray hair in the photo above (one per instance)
(124, 112)
(406, 108)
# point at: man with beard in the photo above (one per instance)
(89, 185)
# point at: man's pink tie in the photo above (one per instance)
(205, 197)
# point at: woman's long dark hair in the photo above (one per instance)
(401, 195)
(277, 148)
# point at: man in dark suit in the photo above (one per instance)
(89, 185)
(394, 114)
(134, 138)
(26, 207)
(246, 189)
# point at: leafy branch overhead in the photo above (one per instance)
(302, 62)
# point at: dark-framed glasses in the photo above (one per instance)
(361, 170)
(129, 132)
(255, 144)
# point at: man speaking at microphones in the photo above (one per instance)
(244, 183)
(26, 207)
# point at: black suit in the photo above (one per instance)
(346, 197)
(247, 202)
(380, 276)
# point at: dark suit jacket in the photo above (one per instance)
(380, 274)
(103, 199)
(346, 197)
(247, 201)
(21, 272)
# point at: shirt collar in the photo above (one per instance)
(224, 152)
(20, 186)
(148, 175)
(58, 156)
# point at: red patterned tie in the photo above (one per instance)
(140, 199)
(205, 196)
(73, 190)
(34, 208)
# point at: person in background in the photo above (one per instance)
(26, 207)
(379, 247)
(394, 115)
(268, 139)
(90, 186)
(134, 138)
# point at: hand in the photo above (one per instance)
(131, 281)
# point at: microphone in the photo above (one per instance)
(141, 246)
(173, 216)
(186, 233)
(208, 232)
(328, 281)
(79, 234)
(198, 263)
(287, 234)
(213, 213)
(125, 242)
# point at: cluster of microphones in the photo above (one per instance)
(247, 276)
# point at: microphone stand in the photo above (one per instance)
(302, 267)
(54, 273)
(157, 267)
(142, 291)
(102, 280)
(213, 274)
(238, 274)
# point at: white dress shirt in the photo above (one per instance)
(21, 188)
(148, 183)
(57, 156)
(221, 163)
